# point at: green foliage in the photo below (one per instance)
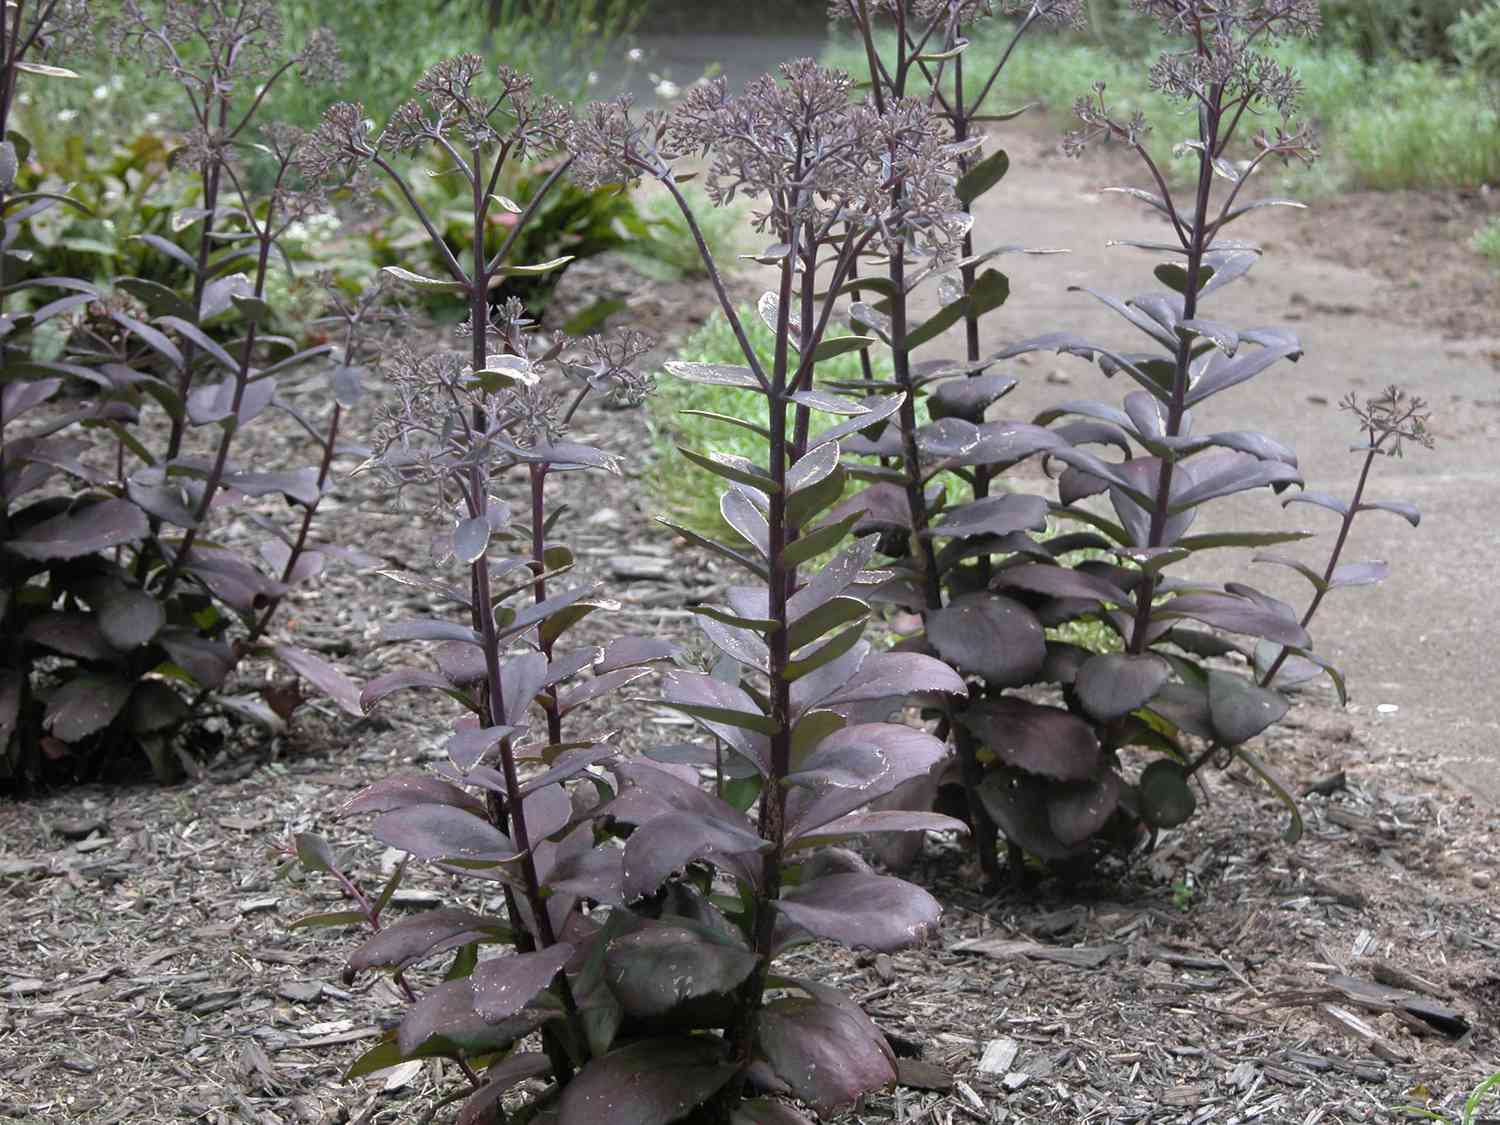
(1487, 1089)
(1378, 29)
(1486, 241)
(1391, 123)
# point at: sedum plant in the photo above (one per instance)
(931, 61)
(1051, 776)
(644, 914)
(123, 613)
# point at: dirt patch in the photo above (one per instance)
(1418, 242)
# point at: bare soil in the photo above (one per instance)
(148, 974)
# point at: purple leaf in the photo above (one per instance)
(596, 874)
(990, 636)
(883, 820)
(1075, 812)
(828, 1055)
(1406, 511)
(968, 397)
(628, 652)
(995, 515)
(85, 705)
(82, 531)
(1144, 475)
(521, 677)
(1239, 709)
(576, 695)
(447, 1011)
(661, 966)
(852, 767)
(471, 539)
(501, 1077)
(568, 764)
(742, 515)
(411, 940)
(406, 790)
(208, 661)
(1225, 472)
(1040, 740)
(1060, 582)
(505, 985)
(857, 910)
(1359, 574)
(716, 706)
(1113, 684)
(668, 842)
(1235, 614)
(300, 485)
(650, 1082)
(17, 398)
(233, 580)
(1018, 804)
(877, 409)
(895, 675)
(323, 676)
(74, 634)
(443, 832)
(1321, 499)
(215, 402)
(470, 744)
(1223, 372)
(547, 808)
(462, 664)
(402, 678)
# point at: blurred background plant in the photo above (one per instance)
(1404, 93)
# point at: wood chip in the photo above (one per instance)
(1004, 949)
(1346, 1021)
(999, 1056)
(921, 1075)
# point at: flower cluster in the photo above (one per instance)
(1221, 70)
(448, 104)
(1392, 418)
(813, 157)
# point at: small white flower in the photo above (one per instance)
(101, 91)
(151, 120)
(666, 89)
(635, 54)
(593, 79)
(66, 115)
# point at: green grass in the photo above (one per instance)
(1486, 242)
(1394, 123)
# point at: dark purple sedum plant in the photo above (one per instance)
(113, 578)
(931, 61)
(1050, 776)
(645, 914)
